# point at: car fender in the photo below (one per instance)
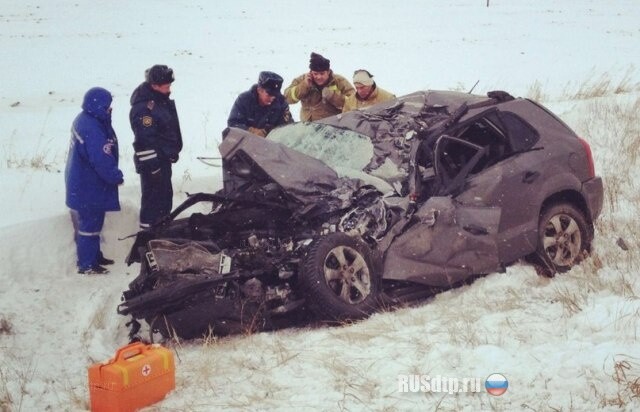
(517, 241)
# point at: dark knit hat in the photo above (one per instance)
(317, 63)
(159, 74)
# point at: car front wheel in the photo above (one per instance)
(339, 278)
(564, 239)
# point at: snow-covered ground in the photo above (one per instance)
(569, 343)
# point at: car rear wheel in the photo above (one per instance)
(339, 278)
(564, 239)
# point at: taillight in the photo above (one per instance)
(587, 150)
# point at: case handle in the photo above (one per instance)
(130, 350)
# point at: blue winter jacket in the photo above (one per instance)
(247, 112)
(92, 175)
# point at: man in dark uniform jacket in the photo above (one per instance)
(261, 108)
(157, 143)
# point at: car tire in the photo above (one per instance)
(564, 239)
(339, 278)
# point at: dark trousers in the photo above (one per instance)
(157, 195)
(87, 225)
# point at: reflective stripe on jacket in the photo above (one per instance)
(155, 125)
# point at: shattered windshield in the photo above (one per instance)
(375, 144)
(349, 153)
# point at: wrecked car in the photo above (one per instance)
(369, 208)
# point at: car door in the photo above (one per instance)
(510, 184)
(448, 240)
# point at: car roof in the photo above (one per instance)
(420, 105)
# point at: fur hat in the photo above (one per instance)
(270, 82)
(159, 74)
(363, 77)
(317, 63)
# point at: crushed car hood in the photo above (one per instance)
(309, 184)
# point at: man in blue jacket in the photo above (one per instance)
(261, 108)
(92, 178)
(157, 143)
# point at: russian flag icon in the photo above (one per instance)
(496, 384)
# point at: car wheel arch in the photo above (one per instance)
(573, 197)
(568, 206)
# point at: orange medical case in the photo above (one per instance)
(137, 376)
